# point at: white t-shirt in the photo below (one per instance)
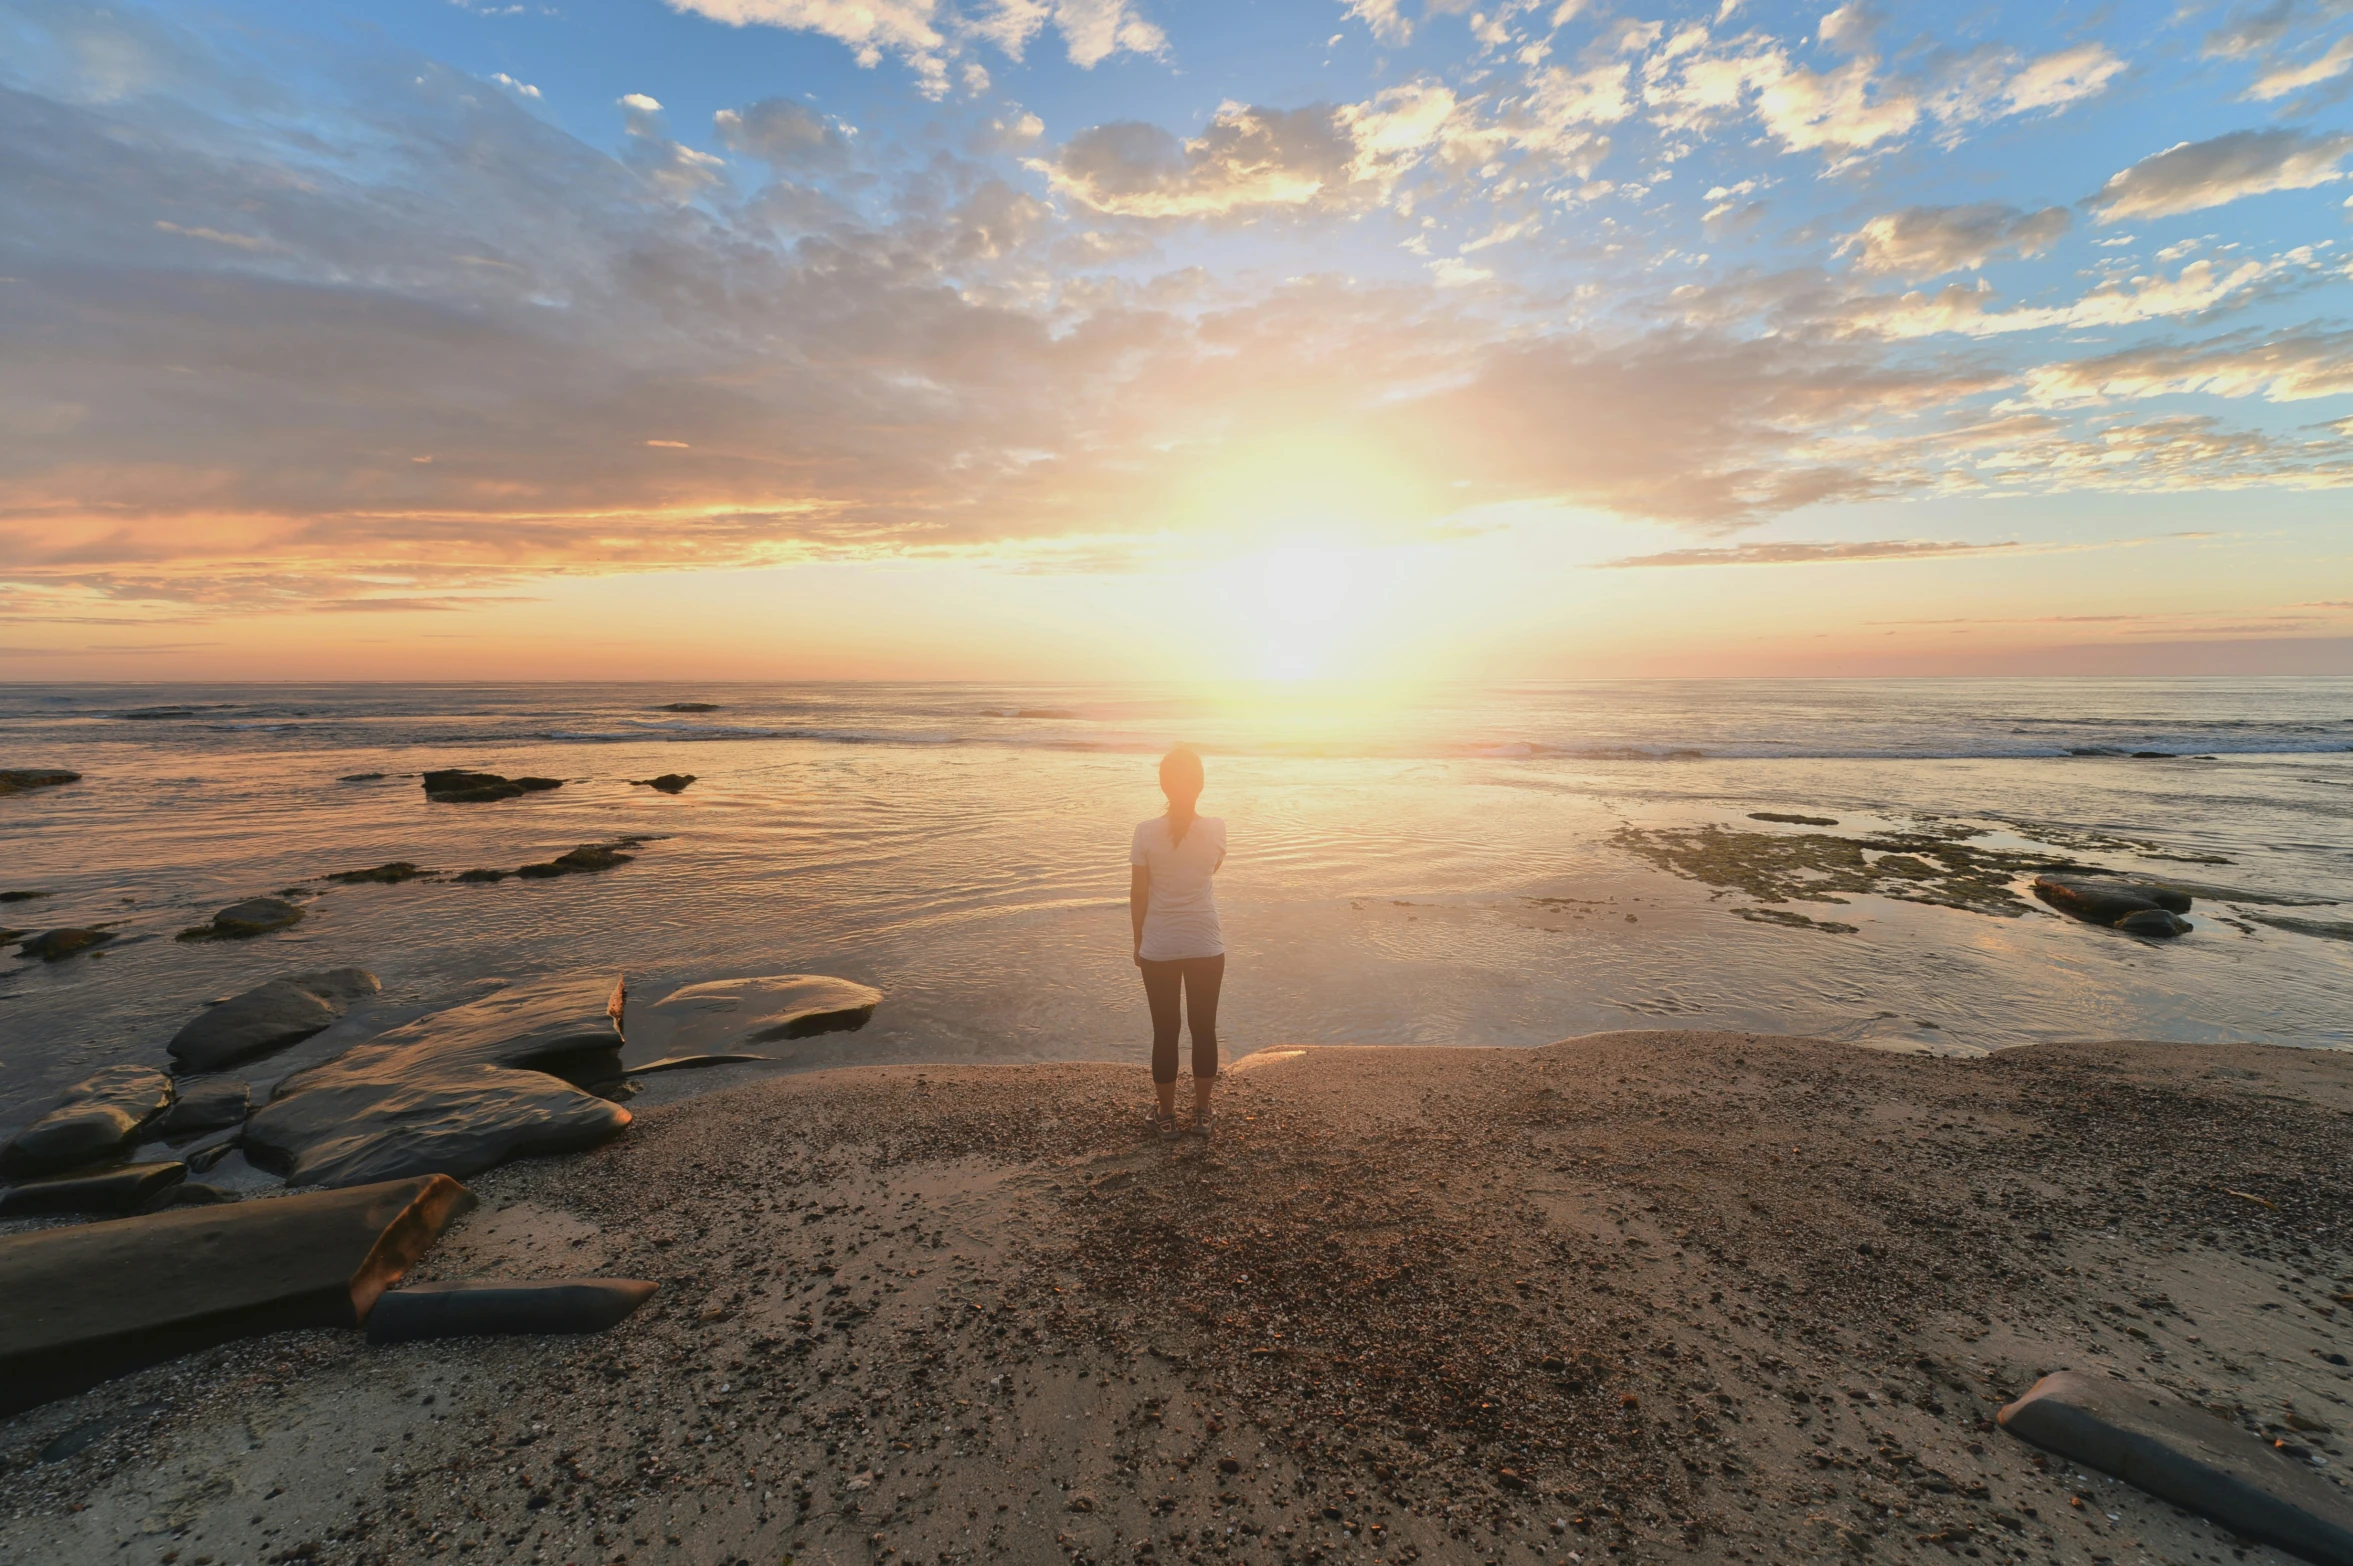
(1180, 913)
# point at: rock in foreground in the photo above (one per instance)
(454, 1092)
(242, 921)
(18, 780)
(456, 786)
(99, 1118)
(2135, 907)
(2189, 1457)
(125, 1188)
(206, 1106)
(204, 1275)
(270, 1016)
(484, 1309)
(728, 1014)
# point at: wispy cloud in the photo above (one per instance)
(1806, 554)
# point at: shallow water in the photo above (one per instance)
(1388, 857)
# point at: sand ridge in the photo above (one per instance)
(1639, 1296)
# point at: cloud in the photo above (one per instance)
(1929, 241)
(1385, 18)
(678, 171)
(1092, 30)
(2295, 367)
(2191, 176)
(785, 135)
(1805, 554)
(519, 89)
(2281, 80)
(1251, 160)
(2061, 79)
(870, 29)
(2122, 301)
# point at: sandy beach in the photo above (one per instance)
(1635, 1296)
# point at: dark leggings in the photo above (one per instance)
(1200, 978)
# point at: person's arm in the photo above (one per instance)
(1139, 897)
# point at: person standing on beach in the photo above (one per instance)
(1178, 944)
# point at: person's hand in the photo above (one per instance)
(1139, 954)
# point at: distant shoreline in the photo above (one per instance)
(1685, 1295)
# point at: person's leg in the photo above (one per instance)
(1204, 977)
(1161, 982)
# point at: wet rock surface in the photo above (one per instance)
(213, 1105)
(205, 1275)
(735, 1014)
(455, 1091)
(59, 944)
(584, 860)
(456, 786)
(98, 1118)
(268, 1017)
(667, 783)
(2186, 1455)
(1790, 818)
(2133, 906)
(478, 1308)
(122, 1189)
(20, 780)
(392, 874)
(1941, 868)
(691, 706)
(245, 920)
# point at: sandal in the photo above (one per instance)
(1203, 1122)
(1166, 1125)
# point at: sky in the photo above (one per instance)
(1079, 339)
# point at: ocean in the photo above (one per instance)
(1505, 865)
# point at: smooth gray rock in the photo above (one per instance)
(484, 1309)
(270, 1016)
(206, 1106)
(201, 1276)
(99, 1118)
(243, 921)
(454, 1092)
(692, 1062)
(2188, 1457)
(728, 1014)
(2138, 907)
(122, 1189)
(187, 1193)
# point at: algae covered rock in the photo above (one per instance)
(270, 1016)
(578, 861)
(242, 921)
(392, 874)
(57, 945)
(457, 786)
(455, 1091)
(98, 1118)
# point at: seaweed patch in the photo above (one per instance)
(1816, 867)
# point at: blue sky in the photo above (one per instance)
(444, 309)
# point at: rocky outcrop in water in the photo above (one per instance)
(730, 1014)
(691, 706)
(270, 1016)
(587, 858)
(245, 920)
(22, 780)
(456, 786)
(667, 783)
(2135, 907)
(392, 874)
(98, 1118)
(57, 945)
(204, 1275)
(1792, 818)
(453, 1092)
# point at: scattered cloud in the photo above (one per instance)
(2295, 367)
(2281, 80)
(519, 89)
(785, 135)
(1930, 241)
(1805, 554)
(2193, 175)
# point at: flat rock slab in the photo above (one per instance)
(268, 1017)
(206, 1106)
(242, 921)
(126, 1188)
(454, 1092)
(99, 1118)
(96, 1300)
(728, 1014)
(485, 1309)
(2189, 1457)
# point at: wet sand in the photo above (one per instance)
(1636, 1297)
